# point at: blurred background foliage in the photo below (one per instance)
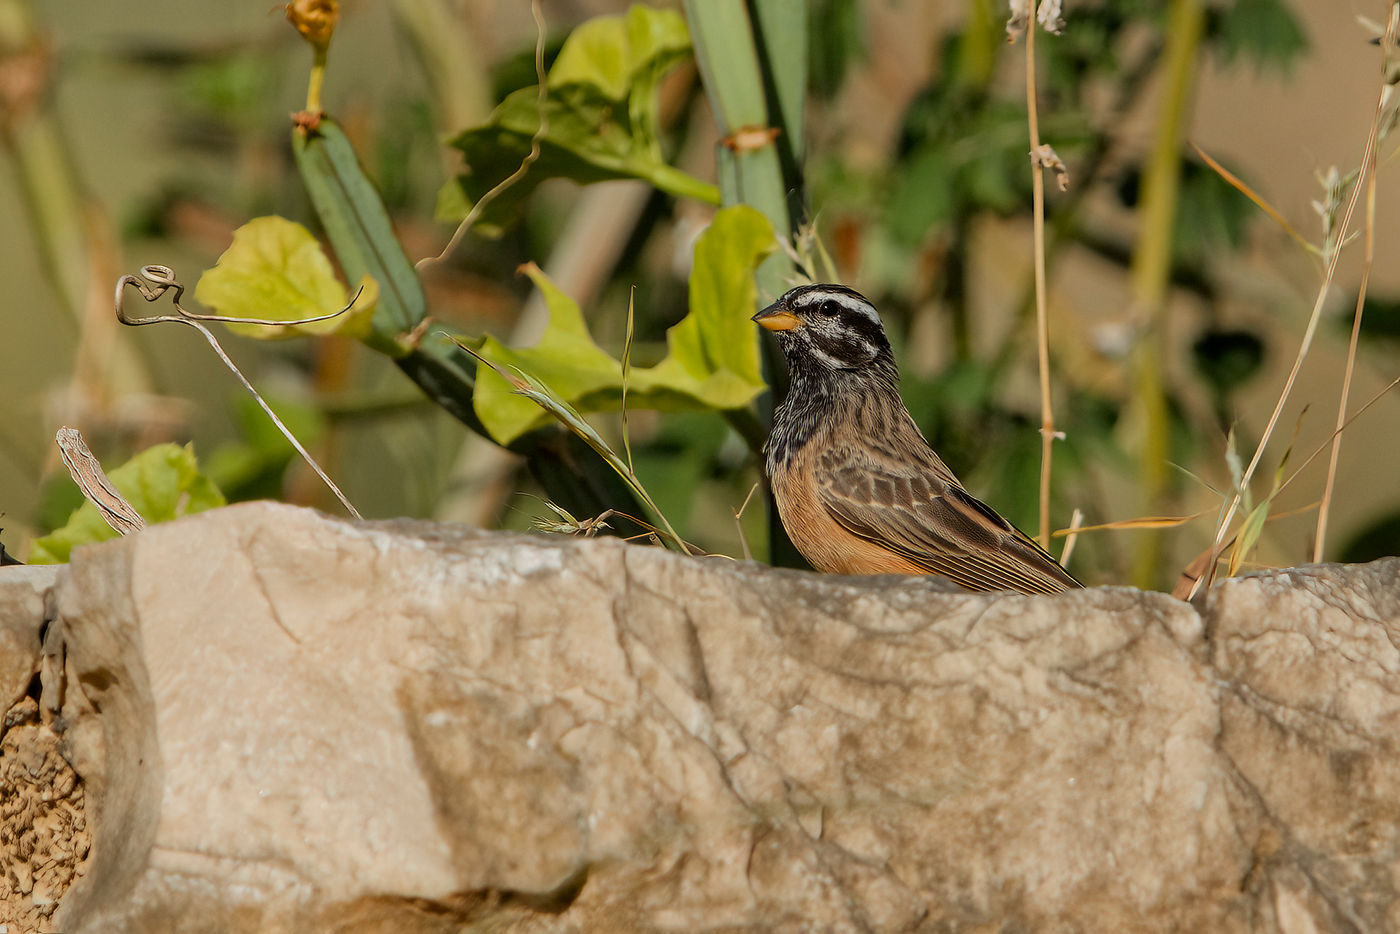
(149, 133)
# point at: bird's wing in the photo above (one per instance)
(919, 511)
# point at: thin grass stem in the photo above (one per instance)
(1324, 507)
(1042, 318)
(1368, 160)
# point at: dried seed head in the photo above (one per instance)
(314, 19)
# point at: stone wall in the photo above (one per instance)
(274, 721)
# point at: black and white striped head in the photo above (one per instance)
(825, 330)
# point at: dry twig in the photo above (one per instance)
(155, 281)
(97, 488)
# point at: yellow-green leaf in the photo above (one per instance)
(276, 270)
(713, 362)
(717, 336)
(609, 52)
(162, 483)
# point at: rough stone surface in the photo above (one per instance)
(284, 722)
(23, 592)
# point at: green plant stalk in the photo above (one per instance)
(315, 81)
(683, 185)
(46, 180)
(749, 172)
(571, 472)
(728, 58)
(1151, 268)
(568, 416)
(781, 37)
(358, 227)
(983, 36)
(71, 232)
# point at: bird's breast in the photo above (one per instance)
(821, 539)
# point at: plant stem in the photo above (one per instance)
(1151, 270)
(1042, 317)
(1369, 170)
(682, 184)
(727, 53)
(316, 80)
(1368, 160)
(1324, 506)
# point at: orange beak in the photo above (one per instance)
(775, 318)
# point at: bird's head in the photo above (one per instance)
(827, 330)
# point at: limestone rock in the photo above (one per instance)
(286, 722)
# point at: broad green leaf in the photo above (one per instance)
(276, 269)
(588, 137)
(162, 483)
(612, 52)
(566, 360)
(358, 227)
(713, 363)
(717, 336)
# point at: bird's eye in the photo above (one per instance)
(828, 308)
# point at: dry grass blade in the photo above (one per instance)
(1340, 428)
(97, 489)
(1239, 185)
(1367, 161)
(1076, 525)
(527, 386)
(1144, 522)
(1368, 258)
(626, 371)
(739, 522)
(155, 281)
(1191, 577)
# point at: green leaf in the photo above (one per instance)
(613, 52)
(589, 134)
(566, 360)
(726, 53)
(1248, 536)
(276, 269)
(358, 227)
(162, 483)
(1266, 31)
(717, 336)
(713, 363)
(782, 30)
(1212, 216)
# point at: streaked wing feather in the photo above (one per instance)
(920, 512)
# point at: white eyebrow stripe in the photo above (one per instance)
(845, 300)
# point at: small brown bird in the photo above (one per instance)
(858, 488)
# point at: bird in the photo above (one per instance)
(857, 486)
